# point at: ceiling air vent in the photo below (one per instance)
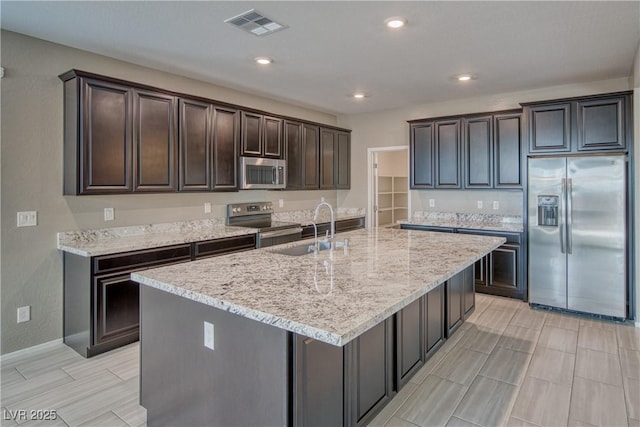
(255, 23)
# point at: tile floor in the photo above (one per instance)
(507, 365)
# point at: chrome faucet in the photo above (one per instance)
(333, 220)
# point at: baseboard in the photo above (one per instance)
(21, 353)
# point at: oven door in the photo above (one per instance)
(260, 173)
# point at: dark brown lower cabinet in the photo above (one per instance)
(434, 312)
(460, 299)
(101, 303)
(341, 225)
(369, 373)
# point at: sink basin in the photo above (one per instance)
(299, 250)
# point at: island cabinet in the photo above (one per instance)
(101, 302)
(460, 299)
(335, 158)
(574, 125)
(261, 135)
(302, 142)
(208, 142)
(419, 333)
(325, 227)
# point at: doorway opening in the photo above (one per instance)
(388, 172)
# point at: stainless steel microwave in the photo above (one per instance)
(262, 173)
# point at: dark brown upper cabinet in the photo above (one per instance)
(195, 145)
(261, 135)
(447, 154)
(550, 128)
(508, 155)
(335, 154)
(98, 123)
(601, 124)
(302, 148)
(591, 124)
(226, 137)
(421, 147)
(478, 152)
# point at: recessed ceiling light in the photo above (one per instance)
(395, 22)
(263, 60)
(359, 95)
(465, 77)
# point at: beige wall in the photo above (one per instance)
(31, 177)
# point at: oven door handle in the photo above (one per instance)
(283, 232)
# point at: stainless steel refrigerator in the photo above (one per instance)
(578, 234)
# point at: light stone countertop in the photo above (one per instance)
(105, 241)
(503, 223)
(334, 296)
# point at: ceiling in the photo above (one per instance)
(332, 49)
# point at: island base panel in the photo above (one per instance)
(242, 382)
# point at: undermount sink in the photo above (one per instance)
(305, 249)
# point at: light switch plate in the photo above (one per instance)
(208, 335)
(479, 204)
(207, 207)
(280, 203)
(108, 214)
(496, 205)
(432, 203)
(27, 219)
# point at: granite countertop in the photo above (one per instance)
(505, 223)
(123, 239)
(334, 296)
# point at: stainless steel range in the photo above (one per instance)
(258, 215)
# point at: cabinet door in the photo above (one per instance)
(328, 143)
(421, 155)
(293, 150)
(317, 383)
(310, 157)
(410, 336)
(369, 373)
(195, 145)
(434, 318)
(468, 291)
(508, 151)
(116, 301)
(106, 147)
(272, 134)
(601, 124)
(503, 268)
(251, 134)
(155, 142)
(550, 128)
(447, 154)
(455, 289)
(480, 271)
(343, 161)
(225, 148)
(478, 152)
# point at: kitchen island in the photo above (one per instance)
(264, 338)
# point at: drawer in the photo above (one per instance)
(225, 246)
(141, 259)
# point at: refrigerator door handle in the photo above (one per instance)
(569, 215)
(561, 214)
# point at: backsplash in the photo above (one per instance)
(510, 202)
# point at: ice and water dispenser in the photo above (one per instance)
(548, 211)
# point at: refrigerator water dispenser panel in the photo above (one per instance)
(548, 211)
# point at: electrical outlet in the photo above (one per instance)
(479, 204)
(432, 203)
(496, 205)
(24, 314)
(208, 335)
(322, 199)
(108, 214)
(207, 207)
(27, 219)
(280, 203)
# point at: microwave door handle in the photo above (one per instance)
(274, 178)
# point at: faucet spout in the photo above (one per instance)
(333, 218)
